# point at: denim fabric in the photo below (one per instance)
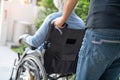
(73, 22)
(99, 57)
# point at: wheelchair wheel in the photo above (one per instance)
(30, 65)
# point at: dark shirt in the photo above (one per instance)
(104, 14)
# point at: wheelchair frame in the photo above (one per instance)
(32, 63)
(28, 62)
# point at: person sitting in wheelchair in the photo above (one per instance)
(74, 22)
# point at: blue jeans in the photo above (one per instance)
(74, 22)
(99, 57)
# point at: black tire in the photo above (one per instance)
(30, 63)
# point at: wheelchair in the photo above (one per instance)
(57, 58)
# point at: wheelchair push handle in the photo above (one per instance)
(59, 29)
(52, 27)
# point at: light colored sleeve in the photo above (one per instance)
(59, 4)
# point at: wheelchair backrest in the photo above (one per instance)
(61, 56)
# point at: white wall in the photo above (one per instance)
(20, 13)
(3, 22)
(17, 13)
